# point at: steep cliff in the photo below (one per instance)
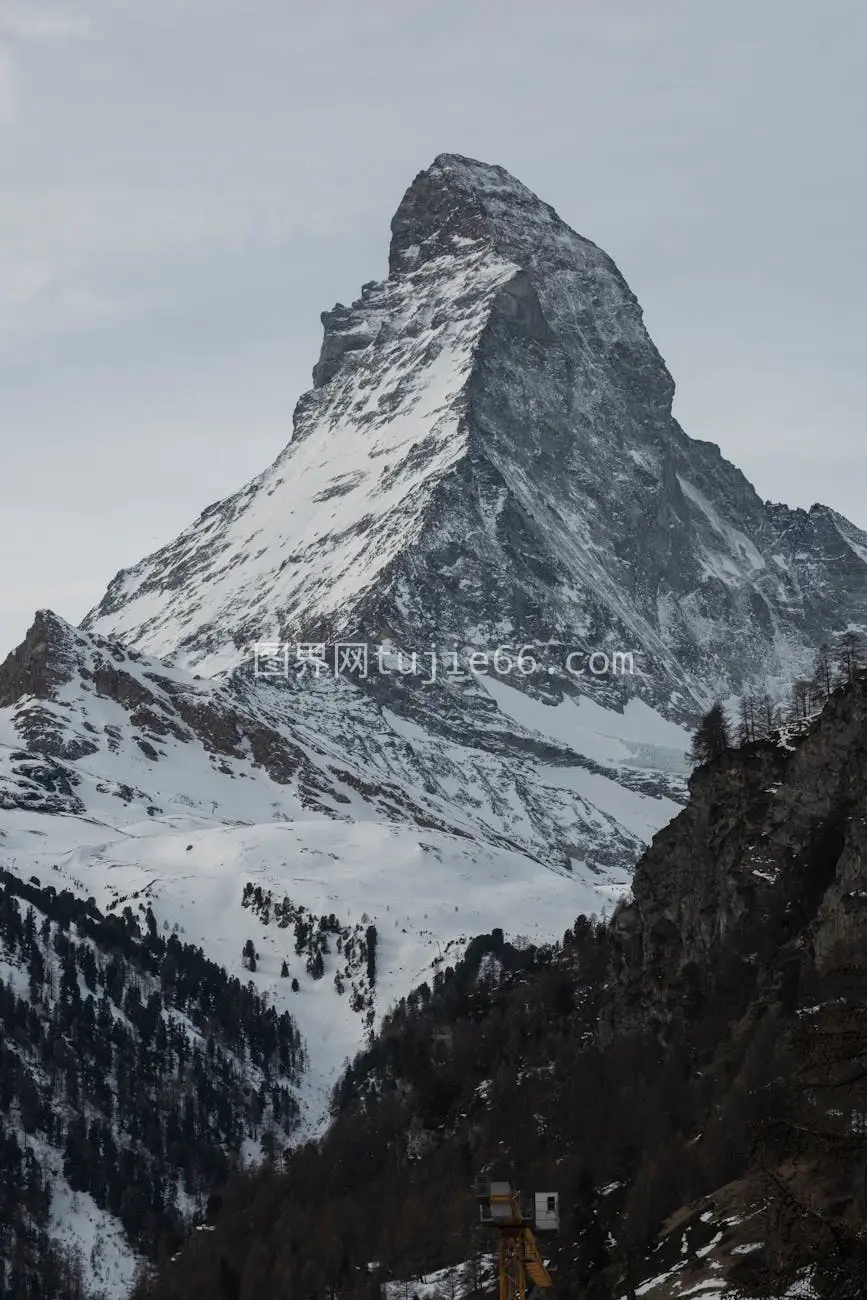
(762, 867)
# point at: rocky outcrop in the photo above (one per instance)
(43, 660)
(189, 732)
(764, 867)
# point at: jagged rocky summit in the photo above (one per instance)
(488, 457)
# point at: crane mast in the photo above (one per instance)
(514, 1216)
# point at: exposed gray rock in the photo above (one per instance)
(767, 858)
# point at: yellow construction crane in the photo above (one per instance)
(517, 1216)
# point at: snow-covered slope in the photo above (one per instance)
(92, 729)
(426, 893)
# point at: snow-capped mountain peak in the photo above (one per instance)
(488, 455)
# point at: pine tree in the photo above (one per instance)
(823, 672)
(747, 728)
(371, 954)
(712, 736)
(768, 715)
(803, 692)
(849, 655)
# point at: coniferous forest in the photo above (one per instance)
(132, 1063)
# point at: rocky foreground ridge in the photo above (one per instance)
(767, 860)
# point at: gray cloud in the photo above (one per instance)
(30, 24)
(188, 183)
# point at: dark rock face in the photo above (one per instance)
(744, 953)
(44, 659)
(767, 859)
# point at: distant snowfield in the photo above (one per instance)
(427, 893)
(637, 737)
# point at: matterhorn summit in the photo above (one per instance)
(488, 456)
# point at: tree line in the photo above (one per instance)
(760, 717)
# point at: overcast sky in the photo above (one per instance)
(186, 184)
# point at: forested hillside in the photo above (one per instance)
(133, 1073)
